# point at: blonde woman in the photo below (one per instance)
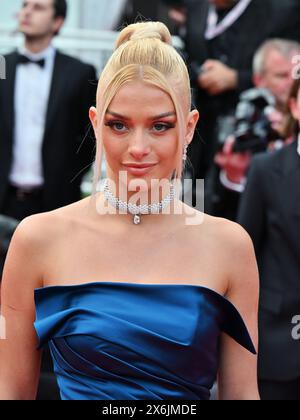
(135, 301)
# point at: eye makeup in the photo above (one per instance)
(115, 124)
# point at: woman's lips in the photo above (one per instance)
(139, 171)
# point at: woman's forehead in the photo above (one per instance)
(143, 98)
(140, 88)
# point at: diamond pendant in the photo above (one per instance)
(137, 219)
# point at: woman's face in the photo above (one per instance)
(140, 127)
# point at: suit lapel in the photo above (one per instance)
(55, 90)
(290, 181)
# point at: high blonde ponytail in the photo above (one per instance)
(144, 30)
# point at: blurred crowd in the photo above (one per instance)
(244, 62)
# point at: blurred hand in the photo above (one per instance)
(217, 78)
(235, 165)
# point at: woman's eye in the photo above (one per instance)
(122, 128)
(117, 126)
(162, 127)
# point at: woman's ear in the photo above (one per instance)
(93, 117)
(191, 125)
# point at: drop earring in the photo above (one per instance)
(184, 157)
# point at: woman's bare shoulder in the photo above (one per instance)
(216, 232)
(50, 222)
(234, 249)
(37, 238)
(28, 252)
(227, 240)
(226, 231)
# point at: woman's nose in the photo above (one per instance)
(139, 145)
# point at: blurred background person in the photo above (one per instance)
(222, 37)
(270, 212)
(44, 105)
(258, 126)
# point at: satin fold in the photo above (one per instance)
(129, 341)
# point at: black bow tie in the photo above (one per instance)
(22, 59)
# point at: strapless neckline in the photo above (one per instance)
(95, 283)
(123, 340)
(141, 285)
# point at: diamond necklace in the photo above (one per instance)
(135, 210)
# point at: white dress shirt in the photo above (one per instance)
(32, 89)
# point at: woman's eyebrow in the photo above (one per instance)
(157, 117)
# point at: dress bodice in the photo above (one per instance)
(129, 341)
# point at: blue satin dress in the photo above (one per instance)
(128, 341)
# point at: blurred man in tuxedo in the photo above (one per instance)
(44, 146)
(44, 103)
(270, 212)
(222, 37)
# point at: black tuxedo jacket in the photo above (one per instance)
(270, 212)
(68, 143)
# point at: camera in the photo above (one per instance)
(253, 128)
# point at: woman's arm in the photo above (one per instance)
(19, 359)
(238, 367)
